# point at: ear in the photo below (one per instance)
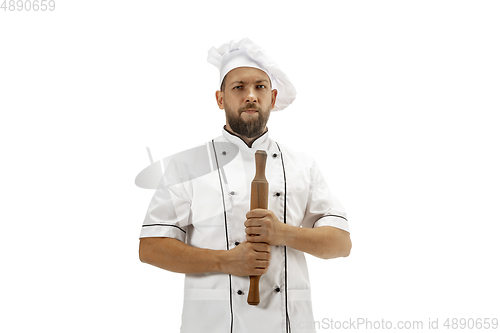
(219, 96)
(274, 93)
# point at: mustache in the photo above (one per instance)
(249, 106)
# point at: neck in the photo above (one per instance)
(248, 141)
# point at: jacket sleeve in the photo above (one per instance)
(168, 212)
(323, 209)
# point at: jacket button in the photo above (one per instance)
(277, 289)
(236, 243)
(275, 155)
(277, 194)
(231, 193)
(224, 153)
(240, 292)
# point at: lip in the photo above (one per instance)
(250, 111)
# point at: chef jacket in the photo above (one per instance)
(209, 211)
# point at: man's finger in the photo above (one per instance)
(252, 230)
(257, 212)
(261, 247)
(253, 222)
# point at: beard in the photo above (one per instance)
(250, 128)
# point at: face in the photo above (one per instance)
(247, 100)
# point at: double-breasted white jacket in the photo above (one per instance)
(202, 200)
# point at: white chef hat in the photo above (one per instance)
(245, 53)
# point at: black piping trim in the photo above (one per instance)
(342, 217)
(227, 237)
(163, 225)
(244, 140)
(288, 328)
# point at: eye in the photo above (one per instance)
(261, 86)
(237, 87)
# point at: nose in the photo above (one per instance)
(251, 96)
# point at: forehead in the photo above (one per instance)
(246, 74)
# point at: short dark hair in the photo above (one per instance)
(223, 84)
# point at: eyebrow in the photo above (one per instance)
(258, 81)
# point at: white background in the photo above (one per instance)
(397, 101)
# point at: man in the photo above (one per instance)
(202, 226)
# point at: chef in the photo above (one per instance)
(200, 224)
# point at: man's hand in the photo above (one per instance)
(262, 226)
(325, 242)
(246, 259)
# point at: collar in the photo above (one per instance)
(262, 142)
